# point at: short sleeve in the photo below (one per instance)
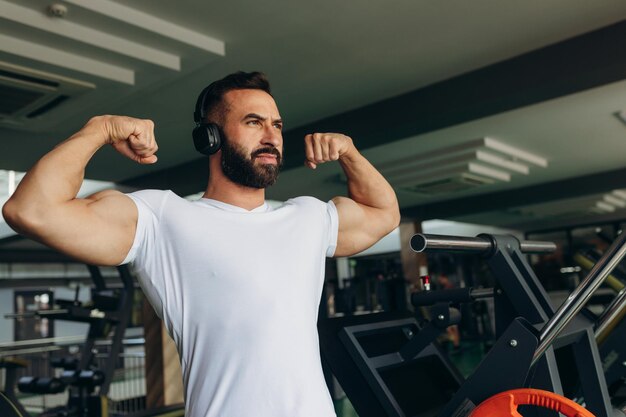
(333, 228)
(148, 204)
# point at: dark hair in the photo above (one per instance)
(211, 97)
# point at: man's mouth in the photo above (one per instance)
(267, 155)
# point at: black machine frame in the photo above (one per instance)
(528, 328)
(111, 308)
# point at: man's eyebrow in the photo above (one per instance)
(254, 116)
(259, 117)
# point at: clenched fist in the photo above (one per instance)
(133, 138)
(324, 147)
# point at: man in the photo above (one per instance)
(237, 283)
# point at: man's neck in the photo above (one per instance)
(234, 194)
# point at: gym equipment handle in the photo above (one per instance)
(479, 244)
(579, 297)
(611, 316)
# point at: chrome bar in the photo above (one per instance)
(535, 246)
(430, 243)
(579, 297)
(26, 351)
(479, 244)
(49, 340)
(611, 316)
(34, 314)
(479, 293)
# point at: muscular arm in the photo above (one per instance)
(98, 229)
(371, 211)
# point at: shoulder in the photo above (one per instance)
(311, 205)
(306, 201)
(152, 199)
(147, 194)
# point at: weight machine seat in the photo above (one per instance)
(7, 408)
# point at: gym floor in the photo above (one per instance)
(466, 359)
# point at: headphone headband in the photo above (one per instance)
(198, 113)
(206, 136)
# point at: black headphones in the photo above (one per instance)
(206, 136)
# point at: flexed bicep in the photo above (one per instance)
(97, 230)
(360, 226)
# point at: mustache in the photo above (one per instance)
(268, 149)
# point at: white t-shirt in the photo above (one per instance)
(239, 293)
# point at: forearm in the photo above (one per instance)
(367, 186)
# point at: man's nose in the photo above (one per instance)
(272, 137)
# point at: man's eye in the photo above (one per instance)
(253, 122)
(278, 126)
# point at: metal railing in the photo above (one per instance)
(126, 394)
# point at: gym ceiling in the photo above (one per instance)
(434, 93)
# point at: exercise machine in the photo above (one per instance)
(8, 397)
(107, 316)
(528, 328)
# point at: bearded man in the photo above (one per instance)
(236, 282)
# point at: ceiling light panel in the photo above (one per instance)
(152, 24)
(473, 163)
(67, 60)
(89, 36)
(615, 201)
(117, 50)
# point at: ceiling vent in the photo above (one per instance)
(26, 94)
(462, 182)
(460, 167)
(608, 203)
(450, 180)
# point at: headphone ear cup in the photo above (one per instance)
(206, 138)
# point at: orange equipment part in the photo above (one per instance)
(505, 404)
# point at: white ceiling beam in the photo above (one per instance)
(502, 162)
(66, 60)
(79, 33)
(489, 172)
(515, 152)
(151, 23)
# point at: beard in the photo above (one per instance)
(241, 170)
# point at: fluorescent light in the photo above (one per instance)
(515, 152)
(489, 172)
(619, 194)
(11, 183)
(611, 199)
(454, 168)
(605, 206)
(502, 162)
(445, 172)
